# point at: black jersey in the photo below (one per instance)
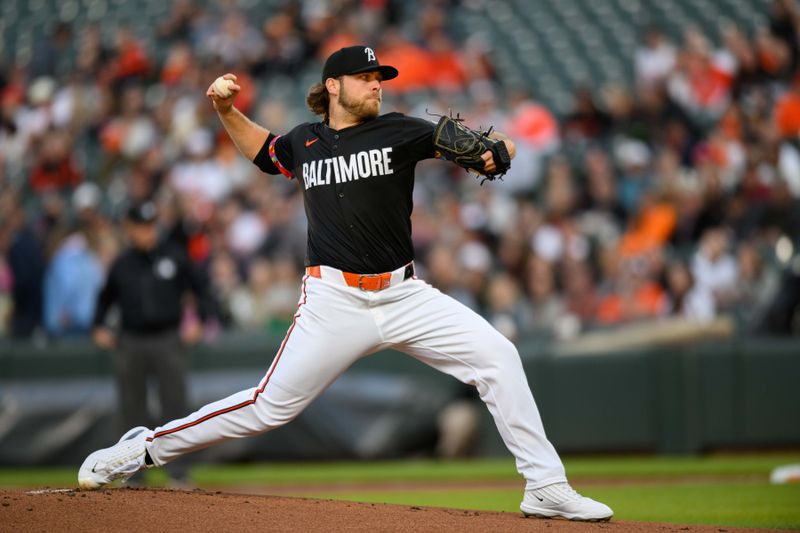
(357, 186)
(149, 287)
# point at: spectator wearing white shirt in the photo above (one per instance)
(714, 268)
(687, 299)
(654, 61)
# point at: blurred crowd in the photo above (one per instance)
(675, 193)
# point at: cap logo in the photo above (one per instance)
(370, 54)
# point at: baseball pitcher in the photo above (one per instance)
(359, 295)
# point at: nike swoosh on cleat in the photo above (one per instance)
(538, 498)
(95, 466)
(309, 143)
(134, 435)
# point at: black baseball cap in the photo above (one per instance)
(354, 60)
(143, 213)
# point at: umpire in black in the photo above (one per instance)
(149, 282)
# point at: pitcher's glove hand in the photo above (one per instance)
(463, 146)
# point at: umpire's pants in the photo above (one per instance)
(142, 355)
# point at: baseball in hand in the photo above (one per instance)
(223, 87)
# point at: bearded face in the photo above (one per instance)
(358, 96)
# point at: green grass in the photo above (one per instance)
(486, 469)
(39, 477)
(436, 471)
(724, 490)
(678, 466)
(728, 504)
(358, 472)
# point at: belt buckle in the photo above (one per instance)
(361, 278)
(384, 282)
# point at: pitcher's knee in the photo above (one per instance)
(491, 341)
(274, 412)
(498, 364)
(505, 353)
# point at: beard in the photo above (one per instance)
(367, 108)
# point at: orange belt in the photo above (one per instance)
(365, 282)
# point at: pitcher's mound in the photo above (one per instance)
(190, 511)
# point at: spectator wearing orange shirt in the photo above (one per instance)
(701, 82)
(650, 228)
(414, 63)
(447, 63)
(178, 64)
(130, 60)
(635, 296)
(787, 111)
(56, 168)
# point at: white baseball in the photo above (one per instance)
(223, 87)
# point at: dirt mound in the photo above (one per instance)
(171, 510)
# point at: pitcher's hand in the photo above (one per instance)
(223, 104)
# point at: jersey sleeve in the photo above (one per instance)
(108, 295)
(276, 156)
(418, 137)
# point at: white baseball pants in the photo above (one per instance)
(335, 325)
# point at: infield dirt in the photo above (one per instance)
(173, 510)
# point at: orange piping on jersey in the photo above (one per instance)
(258, 391)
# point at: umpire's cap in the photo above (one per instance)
(353, 60)
(143, 213)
